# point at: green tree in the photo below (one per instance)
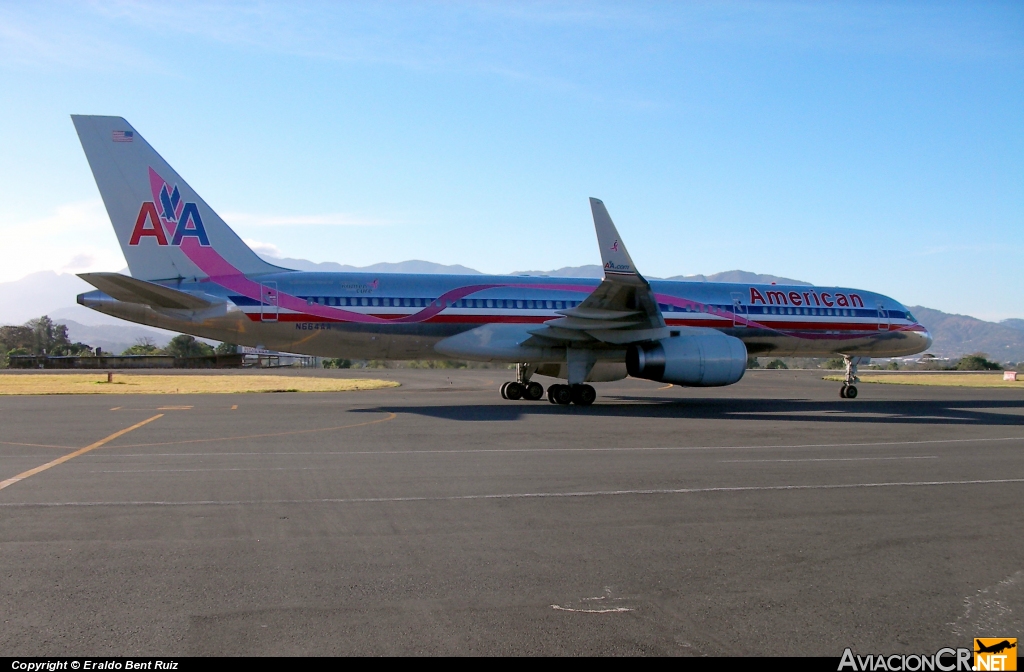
(143, 346)
(48, 336)
(16, 337)
(184, 345)
(41, 336)
(226, 349)
(752, 363)
(977, 362)
(338, 363)
(73, 350)
(776, 364)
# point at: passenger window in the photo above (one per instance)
(490, 303)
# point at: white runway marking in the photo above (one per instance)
(320, 468)
(475, 451)
(838, 459)
(613, 610)
(526, 495)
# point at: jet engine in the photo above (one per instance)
(698, 357)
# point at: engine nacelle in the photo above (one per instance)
(698, 357)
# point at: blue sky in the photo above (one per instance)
(873, 145)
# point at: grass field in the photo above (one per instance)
(940, 379)
(126, 383)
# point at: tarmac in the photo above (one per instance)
(766, 518)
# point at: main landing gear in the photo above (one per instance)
(581, 395)
(849, 389)
(523, 388)
(515, 391)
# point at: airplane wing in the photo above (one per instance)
(620, 311)
(132, 290)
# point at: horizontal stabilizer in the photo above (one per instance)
(132, 290)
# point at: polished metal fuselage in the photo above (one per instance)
(399, 316)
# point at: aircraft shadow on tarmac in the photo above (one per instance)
(947, 412)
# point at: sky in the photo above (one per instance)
(870, 145)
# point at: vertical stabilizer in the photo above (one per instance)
(165, 229)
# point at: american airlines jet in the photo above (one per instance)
(191, 273)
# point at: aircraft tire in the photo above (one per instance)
(560, 394)
(503, 386)
(583, 395)
(842, 391)
(851, 392)
(534, 391)
(514, 391)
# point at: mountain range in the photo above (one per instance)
(49, 293)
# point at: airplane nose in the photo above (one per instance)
(926, 338)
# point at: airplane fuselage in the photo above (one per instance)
(398, 316)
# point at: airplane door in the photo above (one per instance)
(739, 311)
(883, 318)
(268, 311)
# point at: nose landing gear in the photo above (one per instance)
(849, 388)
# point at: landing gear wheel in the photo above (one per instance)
(514, 391)
(583, 395)
(534, 391)
(503, 386)
(560, 394)
(851, 391)
(842, 391)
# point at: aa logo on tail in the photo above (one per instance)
(180, 220)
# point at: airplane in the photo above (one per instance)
(998, 647)
(192, 274)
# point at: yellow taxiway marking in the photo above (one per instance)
(117, 408)
(235, 407)
(174, 408)
(390, 416)
(81, 451)
(666, 387)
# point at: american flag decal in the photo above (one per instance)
(123, 136)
